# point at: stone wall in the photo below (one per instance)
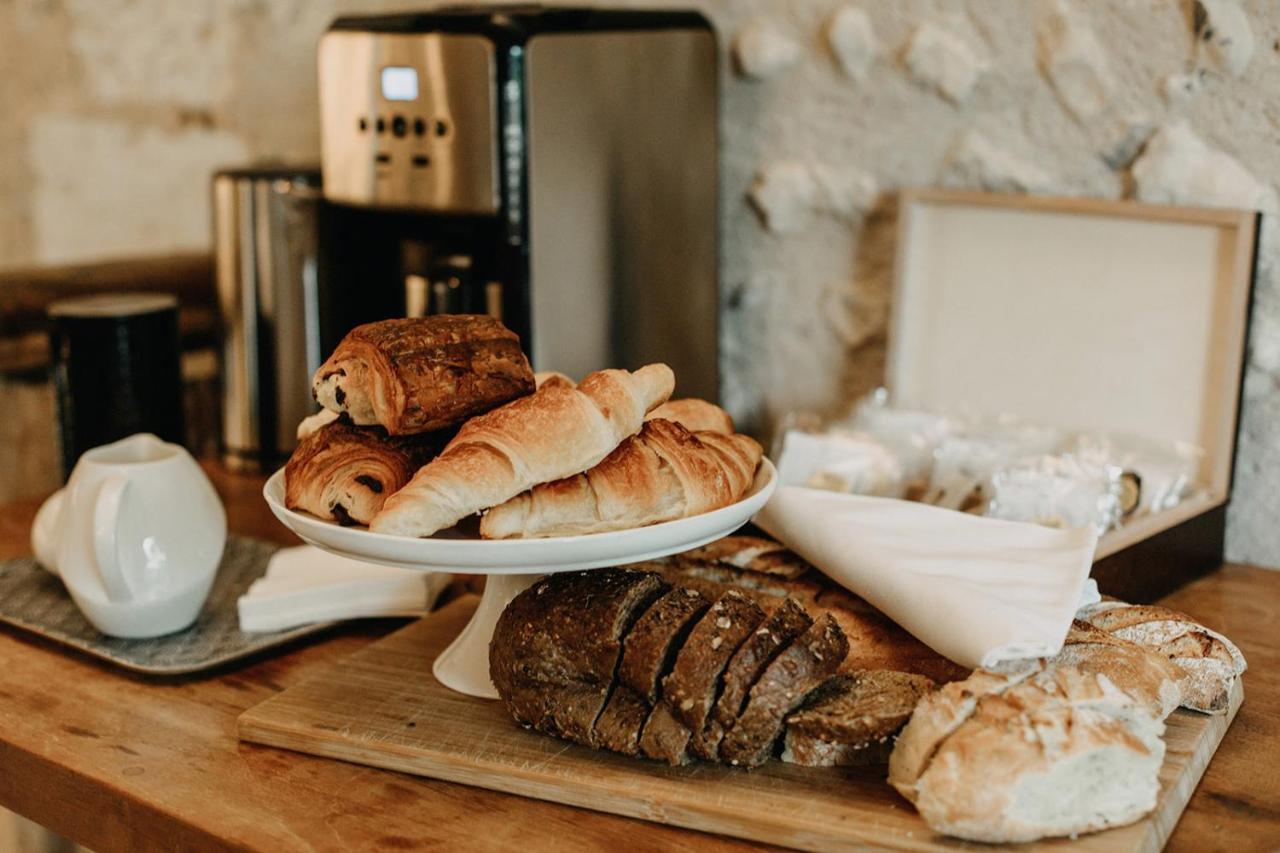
(117, 110)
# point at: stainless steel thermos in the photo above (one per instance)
(265, 257)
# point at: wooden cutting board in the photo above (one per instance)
(382, 707)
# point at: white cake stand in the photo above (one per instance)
(512, 565)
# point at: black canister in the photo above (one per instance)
(116, 369)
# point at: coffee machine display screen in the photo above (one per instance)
(399, 83)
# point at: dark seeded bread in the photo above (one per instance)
(769, 573)
(650, 649)
(786, 623)
(797, 671)
(854, 719)
(664, 737)
(620, 723)
(692, 687)
(556, 647)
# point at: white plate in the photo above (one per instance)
(450, 552)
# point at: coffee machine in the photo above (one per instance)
(554, 167)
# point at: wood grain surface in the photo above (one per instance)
(122, 763)
(383, 707)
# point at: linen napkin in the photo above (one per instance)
(304, 584)
(976, 590)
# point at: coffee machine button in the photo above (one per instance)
(364, 124)
(382, 125)
(399, 126)
(419, 127)
(442, 127)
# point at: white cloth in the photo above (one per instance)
(976, 590)
(304, 584)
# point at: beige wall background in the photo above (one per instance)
(116, 111)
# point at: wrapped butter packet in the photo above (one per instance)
(1058, 491)
(964, 464)
(850, 462)
(912, 434)
(1158, 473)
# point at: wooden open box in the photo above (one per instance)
(1089, 314)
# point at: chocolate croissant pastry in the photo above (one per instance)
(345, 473)
(421, 374)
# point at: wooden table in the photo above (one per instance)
(122, 763)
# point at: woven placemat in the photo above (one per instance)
(36, 601)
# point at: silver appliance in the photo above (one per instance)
(266, 225)
(555, 167)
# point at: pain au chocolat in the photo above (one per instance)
(345, 473)
(422, 374)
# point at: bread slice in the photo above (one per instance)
(619, 725)
(1210, 661)
(648, 653)
(691, 688)
(1062, 753)
(556, 647)
(787, 681)
(664, 737)
(649, 650)
(854, 720)
(788, 621)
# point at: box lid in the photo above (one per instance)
(1086, 313)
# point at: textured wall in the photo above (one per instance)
(118, 109)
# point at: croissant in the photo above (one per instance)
(556, 432)
(694, 415)
(344, 473)
(663, 473)
(552, 377)
(423, 373)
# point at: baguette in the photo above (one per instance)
(554, 433)
(663, 473)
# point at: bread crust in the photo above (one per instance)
(554, 433)
(556, 647)
(1209, 661)
(345, 473)
(1061, 753)
(413, 375)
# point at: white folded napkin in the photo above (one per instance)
(305, 584)
(976, 590)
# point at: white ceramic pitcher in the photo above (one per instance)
(136, 535)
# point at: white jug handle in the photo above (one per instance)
(45, 531)
(106, 520)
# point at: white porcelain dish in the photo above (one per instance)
(453, 552)
(513, 564)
